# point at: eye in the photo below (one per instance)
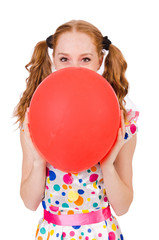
(63, 59)
(86, 59)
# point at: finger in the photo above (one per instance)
(122, 124)
(26, 122)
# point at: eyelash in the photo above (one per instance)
(86, 59)
(63, 58)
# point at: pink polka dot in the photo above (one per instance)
(105, 199)
(111, 236)
(93, 177)
(54, 209)
(68, 179)
(87, 238)
(64, 234)
(47, 187)
(92, 192)
(72, 233)
(99, 235)
(133, 128)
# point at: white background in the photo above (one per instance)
(133, 27)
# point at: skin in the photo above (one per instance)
(75, 49)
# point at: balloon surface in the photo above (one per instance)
(74, 117)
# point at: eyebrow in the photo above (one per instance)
(83, 54)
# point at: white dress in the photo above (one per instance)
(83, 192)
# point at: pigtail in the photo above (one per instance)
(114, 72)
(39, 67)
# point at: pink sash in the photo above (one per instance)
(78, 219)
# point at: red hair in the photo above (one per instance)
(40, 65)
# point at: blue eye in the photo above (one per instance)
(63, 59)
(86, 59)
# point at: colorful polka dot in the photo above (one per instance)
(95, 204)
(93, 169)
(56, 187)
(80, 191)
(65, 205)
(99, 234)
(133, 128)
(76, 227)
(64, 186)
(72, 233)
(95, 185)
(111, 236)
(64, 234)
(70, 212)
(68, 179)
(40, 238)
(121, 237)
(114, 227)
(105, 199)
(93, 177)
(99, 197)
(52, 175)
(54, 208)
(44, 204)
(37, 231)
(79, 201)
(73, 195)
(126, 136)
(51, 232)
(85, 210)
(42, 230)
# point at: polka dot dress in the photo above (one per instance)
(83, 192)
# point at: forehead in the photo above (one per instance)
(71, 41)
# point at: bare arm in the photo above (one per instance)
(117, 173)
(33, 171)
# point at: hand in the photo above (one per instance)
(30, 146)
(111, 156)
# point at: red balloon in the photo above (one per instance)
(74, 118)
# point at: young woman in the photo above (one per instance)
(75, 206)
